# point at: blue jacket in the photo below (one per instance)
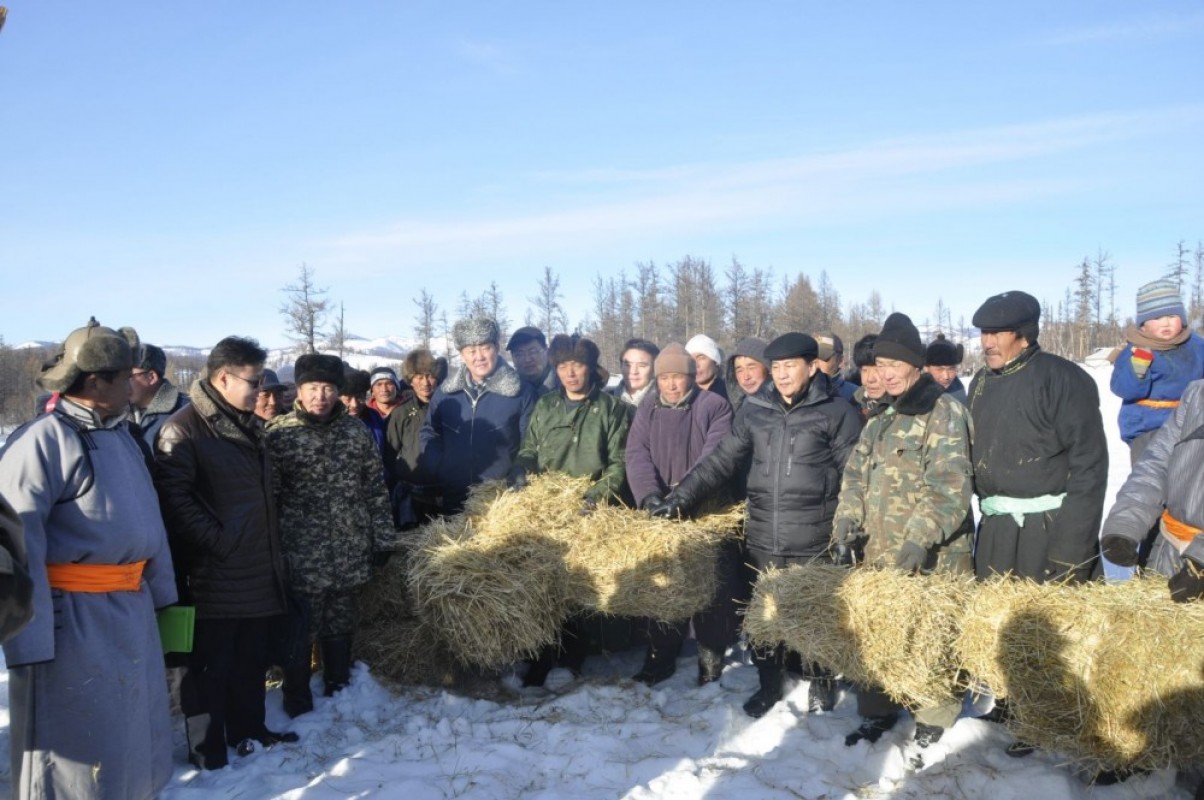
(1167, 378)
(472, 434)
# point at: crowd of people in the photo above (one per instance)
(267, 513)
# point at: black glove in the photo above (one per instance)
(1120, 550)
(653, 499)
(846, 532)
(911, 557)
(517, 480)
(381, 557)
(669, 508)
(843, 555)
(588, 506)
(1188, 583)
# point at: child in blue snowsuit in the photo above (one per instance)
(1162, 356)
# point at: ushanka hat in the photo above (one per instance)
(92, 348)
(792, 345)
(318, 368)
(1159, 298)
(863, 350)
(421, 362)
(1014, 311)
(943, 353)
(577, 348)
(475, 331)
(900, 340)
(356, 383)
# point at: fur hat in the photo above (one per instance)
(421, 362)
(943, 353)
(828, 345)
(153, 358)
(577, 348)
(863, 350)
(1159, 298)
(705, 346)
(1011, 311)
(474, 331)
(527, 333)
(92, 348)
(792, 345)
(900, 340)
(673, 358)
(356, 383)
(318, 368)
(383, 374)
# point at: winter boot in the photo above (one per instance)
(537, 673)
(770, 674)
(298, 699)
(710, 665)
(336, 663)
(204, 750)
(872, 729)
(658, 666)
(821, 695)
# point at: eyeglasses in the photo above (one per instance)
(139, 373)
(254, 383)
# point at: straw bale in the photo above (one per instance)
(406, 651)
(1110, 674)
(878, 627)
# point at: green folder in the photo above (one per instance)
(175, 628)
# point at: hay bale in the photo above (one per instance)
(622, 562)
(406, 651)
(878, 627)
(1110, 674)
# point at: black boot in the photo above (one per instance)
(537, 673)
(872, 729)
(710, 665)
(298, 699)
(205, 750)
(336, 663)
(821, 695)
(658, 666)
(769, 694)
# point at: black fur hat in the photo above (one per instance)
(943, 353)
(318, 368)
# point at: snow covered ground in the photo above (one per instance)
(604, 737)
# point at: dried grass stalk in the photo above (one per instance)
(1110, 674)
(878, 627)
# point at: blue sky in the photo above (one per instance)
(170, 165)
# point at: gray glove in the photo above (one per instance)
(911, 557)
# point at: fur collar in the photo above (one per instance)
(229, 423)
(920, 398)
(165, 399)
(503, 380)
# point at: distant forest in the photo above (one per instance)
(672, 302)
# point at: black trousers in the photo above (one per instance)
(769, 658)
(222, 692)
(716, 627)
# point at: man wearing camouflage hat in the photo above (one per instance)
(87, 695)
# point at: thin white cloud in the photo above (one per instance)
(490, 55)
(896, 177)
(1141, 30)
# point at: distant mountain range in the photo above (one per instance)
(359, 352)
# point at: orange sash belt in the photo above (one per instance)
(96, 577)
(1179, 530)
(1158, 403)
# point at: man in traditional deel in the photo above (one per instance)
(87, 692)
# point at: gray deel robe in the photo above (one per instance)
(87, 693)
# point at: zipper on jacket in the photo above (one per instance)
(790, 460)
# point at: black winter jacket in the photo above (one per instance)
(214, 480)
(798, 454)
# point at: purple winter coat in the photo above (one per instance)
(665, 442)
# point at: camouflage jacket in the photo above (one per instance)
(909, 478)
(334, 507)
(586, 441)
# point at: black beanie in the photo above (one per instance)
(900, 340)
(943, 353)
(318, 368)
